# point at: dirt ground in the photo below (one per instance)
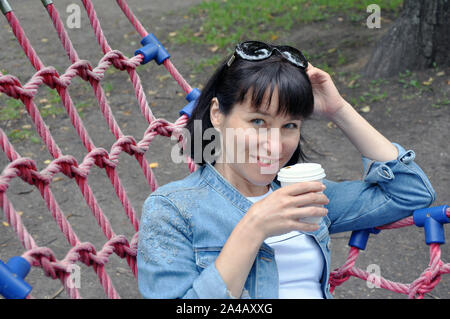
(409, 114)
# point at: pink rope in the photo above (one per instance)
(105, 108)
(132, 18)
(426, 282)
(143, 33)
(12, 87)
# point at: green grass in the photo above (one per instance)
(226, 22)
(23, 134)
(218, 25)
(11, 110)
(442, 102)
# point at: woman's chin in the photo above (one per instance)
(262, 178)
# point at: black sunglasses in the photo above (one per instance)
(257, 51)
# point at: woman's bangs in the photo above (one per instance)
(294, 95)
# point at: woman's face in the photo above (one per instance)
(249, 139)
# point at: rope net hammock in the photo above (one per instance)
(12, 274)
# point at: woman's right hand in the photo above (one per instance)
(279, 212)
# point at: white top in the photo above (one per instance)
(300, 263)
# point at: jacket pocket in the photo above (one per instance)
(206, 256)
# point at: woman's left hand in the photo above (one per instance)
(327, 100)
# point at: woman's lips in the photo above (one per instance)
(266, 162)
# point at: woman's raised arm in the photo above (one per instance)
(329, 103)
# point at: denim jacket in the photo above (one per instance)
(185, 224)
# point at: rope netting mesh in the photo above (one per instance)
(25, 168)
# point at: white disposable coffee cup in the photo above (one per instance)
(302, 172)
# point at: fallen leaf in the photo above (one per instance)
(332, 50)
(365, 109)
(43, 101)
(20, 213)
(150, 92)
(430, 80)
(172, 34)
(153, 165)
(57, 179)
(163, 77)
(5, 224)
(47, 162)
(340, 19)
(26, 127)
(351, 83)
(214, 48)
(331, 125)
(197, 34)
(126, 113)
(440, 73)
(274, 37)
(44, 40)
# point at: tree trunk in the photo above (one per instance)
(419, 38)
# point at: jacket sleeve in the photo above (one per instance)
(166, 260)
(389, 191)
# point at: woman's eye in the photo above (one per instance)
(293, 125)
(256, 121)
(261, 121)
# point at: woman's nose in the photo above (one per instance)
(271, 145)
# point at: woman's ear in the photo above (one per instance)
(215, 114)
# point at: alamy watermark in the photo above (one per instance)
(74, 279)
(374, 279)
(73, 21)
(374, 20)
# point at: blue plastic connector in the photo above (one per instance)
(12, 274)
(192, 99)
(432, 219)
(152, 50)
(359, 238)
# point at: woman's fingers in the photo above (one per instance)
(303, 187)
(310, 199)
(301, 226)
(310, 211)
(305, 193)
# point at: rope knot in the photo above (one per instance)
(27, 170)
(84, 70)
(49, 76)
(11, 86)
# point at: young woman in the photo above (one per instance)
(228, 230)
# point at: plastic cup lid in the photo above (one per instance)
(301, 172)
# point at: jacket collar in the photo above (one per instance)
(222, 186)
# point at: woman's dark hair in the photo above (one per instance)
(230, 84)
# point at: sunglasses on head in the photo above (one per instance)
(257, 51)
